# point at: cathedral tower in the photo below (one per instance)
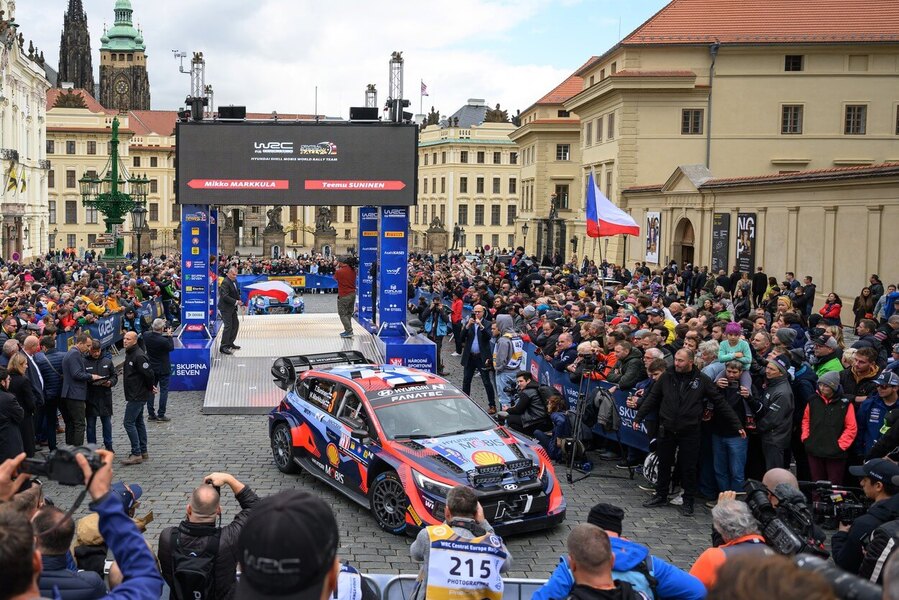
(124, 84)
(75, 64)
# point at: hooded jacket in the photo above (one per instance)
(509, 349)
(776, 412)
(628, 371)
(672, 583)
(848, 546)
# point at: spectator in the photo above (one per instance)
(863, 307)
(508, 356)
(729, 448)
(436, 320)
(873, 412)
(529, 413)
(54, 531)
(292, 528)
(633, 564)
(464, 523)
(159, 345)
(30, 348)
(49, 361)
(99, 395)
(74, 388)
(456, 319)
(11, 416)
(738, 528)
(565, 354)
(476, 353)
(831, 310)
(628, 369)
(774, 412)
(198, 535)
(827, 357)
(138, 380)
(734, 347)
(828, 430)
(346, 294)
(858, 381)
(20, 387)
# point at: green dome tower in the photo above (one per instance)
(124, 84)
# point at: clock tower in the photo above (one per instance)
(124, 84)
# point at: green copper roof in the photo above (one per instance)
(123, 37)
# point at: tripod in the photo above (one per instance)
(583, 393)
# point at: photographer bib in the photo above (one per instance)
(464, 568)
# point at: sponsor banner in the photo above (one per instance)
(190, 365)
(108, 330)
(652, 231)
(746, 229)
(720, 242)
(394, 260)
(416, 351)
(291, 280)
(368, 256)
(195, 250)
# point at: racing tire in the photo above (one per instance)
(388, 501)
(282, 449)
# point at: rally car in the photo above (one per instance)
(397, 439)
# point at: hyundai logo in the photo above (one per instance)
(510, 487)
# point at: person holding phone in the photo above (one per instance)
(99, 394)
(476, 354)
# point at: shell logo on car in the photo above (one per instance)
(482, 458)
(333, 455)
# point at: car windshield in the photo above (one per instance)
(432, 418)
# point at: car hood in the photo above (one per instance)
(466, 452)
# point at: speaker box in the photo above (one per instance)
(232, 112)
(363, 113)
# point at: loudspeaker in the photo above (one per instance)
(363, 113)
(232, 112)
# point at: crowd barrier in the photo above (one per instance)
(307, 283)
(108, 330)
(400, 587)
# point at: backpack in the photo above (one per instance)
(193, 574)
(640, 578)
(879, 546)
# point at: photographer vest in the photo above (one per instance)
(464, 568)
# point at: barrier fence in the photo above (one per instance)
(108, 329)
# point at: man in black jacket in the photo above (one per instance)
(529, 413)
(99, 395)
(196, 531)
(74, 388)
(139, 381)
(159, 344)
(759, 286)
(876, 478)
(476, 354)
(681, 395)
(229, 300)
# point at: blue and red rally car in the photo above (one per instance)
(398, 439)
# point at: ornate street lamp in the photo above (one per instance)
(138, 221)
(524, 233)
(107, 194)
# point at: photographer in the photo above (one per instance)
(159, 345)
(436, 320)
(529, 413)
(346, 293)
(198, 537)
(876, 480)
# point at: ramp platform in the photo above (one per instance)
(242, 383)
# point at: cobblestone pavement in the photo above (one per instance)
(192, 445)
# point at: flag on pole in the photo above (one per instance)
(603, 217)
(424, 89)
(12, 183)
(22, 183)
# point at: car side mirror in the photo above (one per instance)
(359, 434)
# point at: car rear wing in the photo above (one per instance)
(286, 368)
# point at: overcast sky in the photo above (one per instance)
(270, 54)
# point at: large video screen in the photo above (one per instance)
(296, 163)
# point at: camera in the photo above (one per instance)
(788, 529)
(843, 584)
(511, 389)
(835, 503)
(60, 465)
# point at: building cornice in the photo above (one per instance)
(677, 80)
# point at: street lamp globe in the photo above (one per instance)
(138, 218)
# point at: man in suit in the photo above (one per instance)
(759, 286)
(476, 354)
(31, 347)
(159, 345)
(50, 363)
(74, 388)
(229, 300)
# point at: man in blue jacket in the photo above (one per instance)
(873, 412)
(49, 361)
(53, 531)
(632, 561)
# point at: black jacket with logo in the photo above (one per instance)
(138, 378)
(680, 399)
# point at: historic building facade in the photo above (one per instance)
(76, 66)
(124, 84)
(23, 164)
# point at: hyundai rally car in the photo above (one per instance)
(397, 439)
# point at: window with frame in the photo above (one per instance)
(494, 240)
(70, 179)
(51, 146)
(176, 213)
(495, 214)
(426, 159)
(513, 158)
(91, 147)
(511, 214)
(71, 213)
(443, 213)
(463, 185)
(563, 152)
(609, 185)
(614, 68)
(481, 157)
(91, 239)
(463, 215)
(346, 233)
(70, 240)
(794, 62)
(588, 133)
(479, 185)
(443, 158)
(415, 215)
(424, 185)
(511, 240)
(51, 212)
(478, 215)
(856, 119)
(153, 214)
(154, 186)
(497, 158)
(513, 185)
(563, 114)
(463, 156)
(443, 185)
(70, 147)
(602, 74)
(897, 119)
(496, 185)
(135, 161)
(433, 185)
(434, 159)
(478, 240)
(562, 195)
(691, 121)
(599, 123)
(154, 161)
(791, 119)
(51, 178)
(91, 215)
(347, 214)
(611, 126)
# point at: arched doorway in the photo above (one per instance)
(684, 239)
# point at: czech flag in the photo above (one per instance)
(277, 290)
(603, 217)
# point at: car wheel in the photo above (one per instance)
(282, 449)
(388, 502)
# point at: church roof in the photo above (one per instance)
(149, 122)
(473, 113)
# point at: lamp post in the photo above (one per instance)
(107, 195)
(573, 241)
(138, 221)
(524, 234)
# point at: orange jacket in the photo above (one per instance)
(705, 569)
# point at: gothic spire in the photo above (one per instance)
(75, 11)
(75, 64)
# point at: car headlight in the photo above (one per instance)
(429, 485)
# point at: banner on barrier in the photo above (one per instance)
(368, 256)
(195, 269)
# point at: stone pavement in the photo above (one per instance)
(192, 445)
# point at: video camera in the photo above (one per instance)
(788, 528)
(844, 584)
(835, 502)
(60, 465)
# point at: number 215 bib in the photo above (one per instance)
(462, 568)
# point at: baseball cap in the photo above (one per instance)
(287, 547)
(887, 378)
(654, 312)
(877, 469)
(127, 497)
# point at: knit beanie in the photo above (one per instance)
(786, 336)
(831, 380)
(529, 312)
(606, 516)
